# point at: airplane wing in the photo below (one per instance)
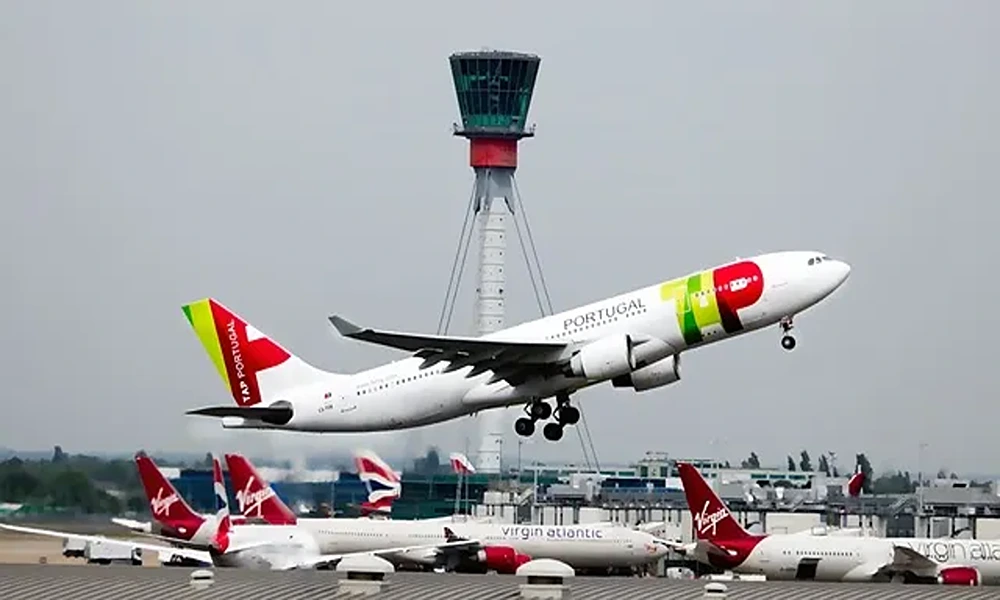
(132, 524)
(180, 543)
(330, 558)
(905, 557)
(510, 360)
(700, 550)
(199, 555)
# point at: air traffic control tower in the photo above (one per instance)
(494, 90)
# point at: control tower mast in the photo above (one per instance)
(494, 90)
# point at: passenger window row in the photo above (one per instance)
(371, 389)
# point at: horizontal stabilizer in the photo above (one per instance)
(274, 415)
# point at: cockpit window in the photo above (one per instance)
(812, 261)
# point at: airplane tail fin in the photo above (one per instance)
(712, 519)
(255, 367)
(460, 464)
(220, 541)
(855, 484)
(168, 507)
(383, 484)
(256, 498)
(219, 487)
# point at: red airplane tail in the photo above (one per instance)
(856, 483)
(255, 496)
(168, 507)
(712, 519)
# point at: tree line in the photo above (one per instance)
(91, 484)
(890, 482)
(79, 482)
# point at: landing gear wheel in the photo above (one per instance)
(553, 432)
(788, 343)
(540, 410)
(524, 427)
(568, 415)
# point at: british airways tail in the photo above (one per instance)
(220, 540)
(168, 507)
(256, 498)
(256, 369)
(383, 484)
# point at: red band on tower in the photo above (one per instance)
(492, 152)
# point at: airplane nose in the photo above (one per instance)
(842, 270)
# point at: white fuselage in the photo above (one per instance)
(861, 558)
(580, 546)
(786, 557)
(401, 395)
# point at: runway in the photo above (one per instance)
(85, 582)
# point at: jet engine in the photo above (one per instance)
(502, 559)
(606, 358)
(959, 576)
(663, 372)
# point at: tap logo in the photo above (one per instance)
(251, 502)
(161, 505)
(705, 521)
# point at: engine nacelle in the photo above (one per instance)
(606, 358)
(662, 372)
(959, 576)
(502, 559)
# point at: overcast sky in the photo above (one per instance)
(295, 160)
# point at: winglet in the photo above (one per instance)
(345, 327)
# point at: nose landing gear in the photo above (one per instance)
(539, 410)
(787, 340)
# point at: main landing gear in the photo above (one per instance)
(540, 410)
(787, 340)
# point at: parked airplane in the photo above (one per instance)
(491, 547)
(723, 543)
(634, 340)
(279, 547)
(503, 548)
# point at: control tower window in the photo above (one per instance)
(494, 92)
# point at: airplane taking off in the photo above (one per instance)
(723, 543)
(633, 340)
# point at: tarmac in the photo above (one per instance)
(85, 582)
(22, 577)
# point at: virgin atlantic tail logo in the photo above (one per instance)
(161, 505)
(704, 521)
(252, 501)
